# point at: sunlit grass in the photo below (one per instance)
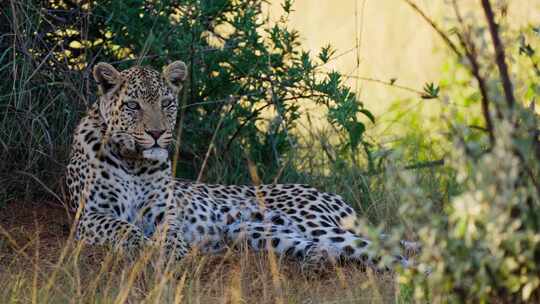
(45, 267)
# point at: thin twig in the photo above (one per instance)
(243, 124)
(386, 83)
(416, 166)
(437, 29)
(211, 146)
(178, 142)
(358, 40)
(49, 190)
(499, 54)
(470, 51)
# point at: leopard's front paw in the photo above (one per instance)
(176, 249)
(135, 243)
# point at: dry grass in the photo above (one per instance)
(39, 264)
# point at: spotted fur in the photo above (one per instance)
(126, 198)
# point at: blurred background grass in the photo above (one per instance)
(393, 41)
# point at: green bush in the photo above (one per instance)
(483, 245)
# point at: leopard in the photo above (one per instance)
(121, 185)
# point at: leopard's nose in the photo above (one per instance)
(156, 134)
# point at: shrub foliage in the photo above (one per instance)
(485, 244)
(249, 78)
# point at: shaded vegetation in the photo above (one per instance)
(248, 79)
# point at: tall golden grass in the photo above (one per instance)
(41, 263)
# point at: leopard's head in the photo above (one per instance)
(139, 106)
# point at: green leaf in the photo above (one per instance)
(368, 114)
(287, 6)
(529, 288)
(356, 131)
(326, 53)
(431, 91)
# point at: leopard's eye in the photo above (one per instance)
(166, 102)
(132, 105)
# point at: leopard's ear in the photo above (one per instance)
(175, 74)
(107, 77)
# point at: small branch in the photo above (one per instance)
(209, 150)
(243, 124)
(49, 190)
(212, 143)
(420, 165)
(187, 86)
(386, 83)
(428, 164)
(470, 52)
(499, 54)
(437, 29)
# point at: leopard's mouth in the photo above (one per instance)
(156, 153)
